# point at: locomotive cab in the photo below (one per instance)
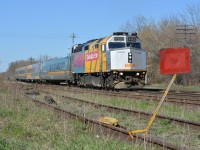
(126, 60)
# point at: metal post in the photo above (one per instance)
(131, 133)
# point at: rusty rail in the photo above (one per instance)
(122, 133)
(195, 125)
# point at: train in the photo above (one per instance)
(113, 62)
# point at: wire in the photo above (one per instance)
(31, 35)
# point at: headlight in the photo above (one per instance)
(121, 73)
(137, 74)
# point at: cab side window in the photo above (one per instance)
(86, 48)
(103, 47)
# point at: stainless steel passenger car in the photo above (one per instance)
(55, 70)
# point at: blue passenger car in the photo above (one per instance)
(55, 70)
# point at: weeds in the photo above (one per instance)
(167, 109)
(26, 126)
(164, 129)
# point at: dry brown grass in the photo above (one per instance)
(26, 126)
(166, 130)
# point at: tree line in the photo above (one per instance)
(180, 30)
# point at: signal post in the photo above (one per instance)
(172, 61)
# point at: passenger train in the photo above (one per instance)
(114, 62)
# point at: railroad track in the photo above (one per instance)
(182, 95)
(192, 124)
(80, 90)
(188, 98)
(191, 98)
(110, 130)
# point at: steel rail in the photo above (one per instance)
(195, 125)
(122, 133)
(138, 95)
(179, 98)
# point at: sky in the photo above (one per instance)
(33, 28)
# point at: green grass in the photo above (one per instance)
(26, 126)
(175, 87)
(164, 129)
(5, 113)
(12, 144)
(167, 109)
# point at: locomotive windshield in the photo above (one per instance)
(113, 45)
(135, 45)
(116, 45)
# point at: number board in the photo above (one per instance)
(132, 39)
(118, 38)
(174, 60)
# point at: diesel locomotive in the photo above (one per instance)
(114, 62)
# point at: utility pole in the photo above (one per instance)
(73, 37)
(72, 56)
(185, 33)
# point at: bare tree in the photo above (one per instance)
(191, 15)
(43, 58)
(163, 34)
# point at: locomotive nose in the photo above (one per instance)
(128, 59)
